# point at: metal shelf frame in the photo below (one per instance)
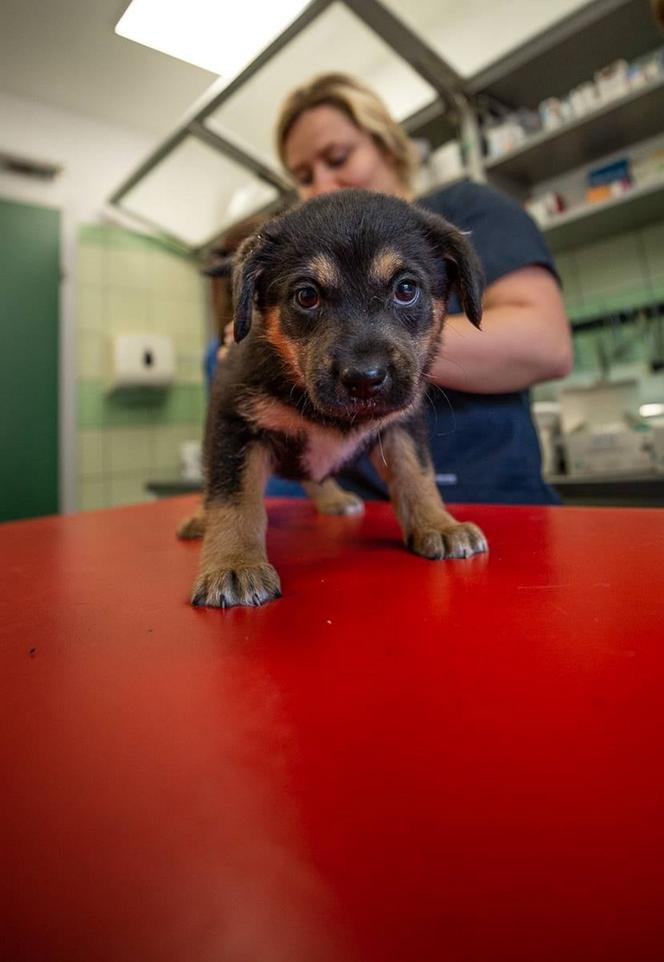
(551, 62)
(452, 102)
(559, 58)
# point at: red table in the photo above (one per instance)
(399, 760)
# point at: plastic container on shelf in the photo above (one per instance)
(545, 206)
(446, 163)
(584, 98)
(504, 136)
(647, 69)
(607, 181)
(555, 111)
(613, 81)
(649, 169)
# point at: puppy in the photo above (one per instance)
(339, 304)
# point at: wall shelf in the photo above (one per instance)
(636, 208)
(560, 58)
(614, 126)
(569, 53)
(546, 64)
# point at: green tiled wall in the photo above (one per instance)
(622, 272)
(129, 283)
(181, 404)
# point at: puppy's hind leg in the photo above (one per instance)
(330, 498)
(192, 526)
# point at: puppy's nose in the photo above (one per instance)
(363, 381)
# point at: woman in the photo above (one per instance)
(335, 133)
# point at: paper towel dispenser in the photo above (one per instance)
(141, 360)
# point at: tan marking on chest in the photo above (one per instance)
(325, 449)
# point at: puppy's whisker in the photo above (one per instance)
(431, 404)
(438, 434)
(456, 364)
(437, 387)
(305, 404)
(380, 445)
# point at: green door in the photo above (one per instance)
(29, 321)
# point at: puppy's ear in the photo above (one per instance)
(246, 271)
(455, 248)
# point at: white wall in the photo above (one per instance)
(95, 157)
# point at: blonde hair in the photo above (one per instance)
(363, 107)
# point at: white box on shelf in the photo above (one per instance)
(191, 460)
(613, 80)
(446, 163)
(598, 405)
(602, 434)
(658, 444)
(612, 450)
(584, 99)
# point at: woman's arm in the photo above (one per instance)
(525, 338)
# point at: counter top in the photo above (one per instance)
(399, 760)
(635, 491)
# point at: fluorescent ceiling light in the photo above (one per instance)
(218, 35)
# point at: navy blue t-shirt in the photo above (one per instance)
(484, 446)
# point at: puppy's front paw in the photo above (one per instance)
(238, 585)
(458, 540)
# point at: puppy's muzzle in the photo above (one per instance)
(357, 380)
(364, 380)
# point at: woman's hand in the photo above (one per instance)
(228, 340)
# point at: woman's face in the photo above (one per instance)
(325, 151)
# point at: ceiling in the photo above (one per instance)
(65, 53)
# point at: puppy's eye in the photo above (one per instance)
(406, 293)
(307, 298)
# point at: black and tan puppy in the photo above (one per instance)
(339, 305)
